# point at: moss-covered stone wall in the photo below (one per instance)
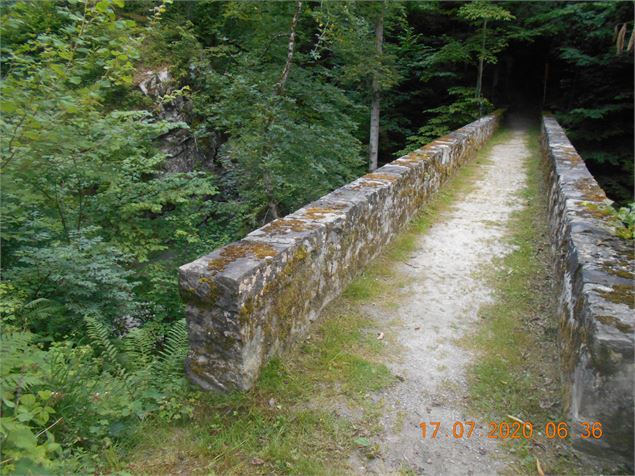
(251, 299)
(594, 275)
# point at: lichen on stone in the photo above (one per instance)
(367, 184)
(212, 293)
(590, 190)
(242, 249)
(572, 156)
(379, 176)
(615, 322)
(286, 225)
(317, 213)
(620, 294)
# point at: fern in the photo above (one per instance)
(22, 362)
(171, 358)
(138, 348)
(99, 335)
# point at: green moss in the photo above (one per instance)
(246, 311)
(596, 210)
(615, 322)
(285, 225)
(242, 249)
(287, 294)
(213, 291)
(620, 269)
(317, 213)
(603, 211)
(620, 294)
(378, 176)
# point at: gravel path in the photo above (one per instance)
(439, 306)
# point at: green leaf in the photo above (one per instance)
(102, 6)
(21, 436)
(362, 441)
(45, 394)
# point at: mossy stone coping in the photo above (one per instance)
(252, 299)
(594, 278)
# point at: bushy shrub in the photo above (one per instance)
(64, 405)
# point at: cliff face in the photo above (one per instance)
(185, 153)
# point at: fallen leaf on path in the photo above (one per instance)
(511, 417)
(539, 468)
(362, 441)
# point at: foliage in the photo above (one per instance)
(86, 201)
(449, 117)
(238, 95)
(65, 281)
(597, 113)
(627, 217)
(27, 447)
(482, 13)
(96, 220)
(94, 393)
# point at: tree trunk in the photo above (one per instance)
(373, 145)
(479, 79)
(544, 84)
(272, 204)
(290, 49)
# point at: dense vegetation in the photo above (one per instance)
(138, 136)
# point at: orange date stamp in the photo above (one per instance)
(509, 430)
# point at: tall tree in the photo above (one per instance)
(279, 92)
(480, 13)
(373, 144)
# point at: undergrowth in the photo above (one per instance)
(288, 423)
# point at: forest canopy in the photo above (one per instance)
(137, 136)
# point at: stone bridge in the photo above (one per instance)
(254, 298)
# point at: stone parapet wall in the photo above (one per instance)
(594, 276)
(251, 299)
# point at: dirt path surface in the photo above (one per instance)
(439, 306)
